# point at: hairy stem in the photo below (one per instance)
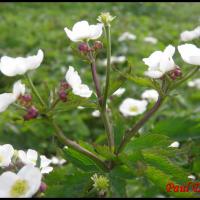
(35, 90)
(63, 139)
(129, 134)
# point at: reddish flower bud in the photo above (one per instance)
(32, 113)
(83, 47)
(25, 100)
(43, 187)
(64, 85)
(98, 45)
(63, 95)
(175, 73)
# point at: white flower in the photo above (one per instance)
(174, 144)
(114, 59)
(23, 184)
(17, 66)
(126, 36)
(119, 92)
(96, 113)
(151, 40)
(6, 154)
(8, 98)
(192, 177)
(81, 107)
(194, 83)
(150, 95)
(31, 157)
(160, 62)
(190, 35)
(74, 80)
(44, 165)
(132, 107)
(190, 53)
(83, 31)
(57, 161)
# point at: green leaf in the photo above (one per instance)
(147, 141)
(178, 128)
(167, 166)
(104, 151)
(161, 179)
(81, 161)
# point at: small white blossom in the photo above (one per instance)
(6, 154)
(190, 35)
(81, 107)
(160, 62)
(57, 161)
(190, 53)
(174, 144)
(119, 92)
(74, 80)
(17, 66)
(23, 184)
(194, 83)
(113, 60)
(96, 113)
(126, 36)
(150, 95)
(83, 31)
(132, 107)
(31, 157)
(8, 98)
(151, 40)
(192, 177)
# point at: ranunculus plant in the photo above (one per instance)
(103, 168)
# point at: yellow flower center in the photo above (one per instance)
(133, 109)
(19, 188)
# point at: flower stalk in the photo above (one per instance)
(35, 90)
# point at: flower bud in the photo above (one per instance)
(101, 183)
(98, 45)
(32, 113)
(25, 100)
(105, 18)
(63, 95)
(64, 85)
(83, 47)
(43, 187)
(175, 73)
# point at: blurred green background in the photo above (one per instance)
(27, 27)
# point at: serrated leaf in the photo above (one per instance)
(104, 151)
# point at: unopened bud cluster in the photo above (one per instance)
(31, 112)
(64, 86)
(174, 74)
(84, 48)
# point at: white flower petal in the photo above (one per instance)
(150, 95)
(82, 91)
(44, 161)
(175, 144)
(154, 74)
(46, 170)
(32, 156)
(33, 176)
(72, 77)
(96, 113)
(6, 154)
(83, 31)
(5, 100)
(7, 179)
(17, 66)
(18, 89)
(190, 53)
(119, 92)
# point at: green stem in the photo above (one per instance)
(63, 139)
(106, 90)
(35, 90)
(109, 130)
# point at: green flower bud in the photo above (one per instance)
(105, 18)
